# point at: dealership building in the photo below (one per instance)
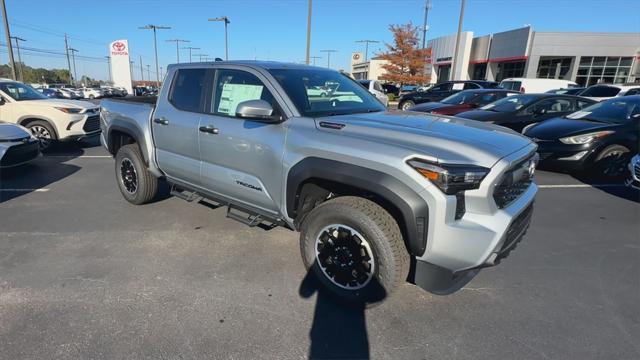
(584, 57)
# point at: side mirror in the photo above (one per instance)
(256, 110)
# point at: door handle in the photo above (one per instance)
(209, 129)
(161, 121)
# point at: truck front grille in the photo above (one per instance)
(514, 182)
(516, 230)
(92, 123)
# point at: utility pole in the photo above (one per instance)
(200, 56)
(329, 51)
(178, 41)
(17, 39)
(75, 74)
(131, 67)
(160, 74)
(309, 33)
(427, 6)
(366, 47)
(226, 39)
(191, 48)
(314, 59)
(155, 43)
(8, 34)
(109, 67)
(141, 71)
(66, 48)
(149, 72)
(455, 51)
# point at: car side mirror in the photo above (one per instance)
(256, 110)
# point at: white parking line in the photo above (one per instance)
(579, 186)
(24, 190)
(81, 156)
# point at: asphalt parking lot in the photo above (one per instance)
(84, 274)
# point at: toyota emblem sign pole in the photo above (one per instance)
(120, 65)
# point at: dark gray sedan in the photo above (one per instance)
(17, 145)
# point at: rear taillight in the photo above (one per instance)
(522, 89)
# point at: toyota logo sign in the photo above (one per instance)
(119, 48)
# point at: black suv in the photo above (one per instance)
(441, 91)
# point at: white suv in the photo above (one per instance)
(48, 119)
(91, 93)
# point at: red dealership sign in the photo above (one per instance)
(119, 48)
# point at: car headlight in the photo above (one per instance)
(70, 110)
(450, 178)
(585, 138)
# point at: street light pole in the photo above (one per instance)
(178, 41)
(191, 48)
(455, 51)
(142, 71)
(149, 72)
(155, 43)
(366, 47)
(18, 39)
(226, 38)
(75, 74)
(309, 32)
(427, 6)
(314, 59)
(8, 34)
(329, 51)
(109, 67)
(66, 49)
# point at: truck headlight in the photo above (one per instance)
(585, 138)
(70, 110)
(450, 178)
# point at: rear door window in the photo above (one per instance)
(601, 91)
(187, 90)
(511, 85)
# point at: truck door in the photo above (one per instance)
(241, 159)
(175, 124)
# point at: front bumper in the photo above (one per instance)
(18, 153)
(81, 126)
(555, 154)
(634, 169)
(483, 236)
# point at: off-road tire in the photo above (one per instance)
(147, 184)
(381, 232)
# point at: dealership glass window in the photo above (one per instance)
(510, 69)
(479, 71)
(553, 68)
(600, 69)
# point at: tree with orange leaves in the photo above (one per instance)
(406, 62)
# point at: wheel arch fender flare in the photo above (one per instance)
(413, 210)
(130, 130)
(29, 118)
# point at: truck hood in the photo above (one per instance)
(12, 132)
(59, 103)
(445, 139)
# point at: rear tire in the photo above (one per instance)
(136, 183)
(355, 249)
(612, 162)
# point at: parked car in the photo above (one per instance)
(376, 89)
(405, 89)
(17, 145)
(601, 92)
(70, 94)
(518, 111)
(526, 85)
(464, 101)
(369, 190)
(441, 91)
(600, 138)
(391, 89)
(120, 91)
(50, 120)
(51, 93)
(634, 172)
(567, 91)
(92, 93)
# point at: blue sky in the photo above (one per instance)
(276, 29)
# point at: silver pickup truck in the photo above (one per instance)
(379, 197)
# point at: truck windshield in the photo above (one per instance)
(318, 92)
(20, 92)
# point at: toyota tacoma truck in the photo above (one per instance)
(379, 197)
(50, 120)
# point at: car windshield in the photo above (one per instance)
(463, 97)
(616, 111)
(318, 92)
(511, 103)
(20, 92)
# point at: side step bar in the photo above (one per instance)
(248, 218)
(188, 196)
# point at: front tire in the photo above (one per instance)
(355, 249)
(136, 183)
(406, 105)
(612, 162)
(44, 132)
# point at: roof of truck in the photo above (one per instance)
(253, 63)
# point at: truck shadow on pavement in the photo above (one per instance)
(339, 329)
